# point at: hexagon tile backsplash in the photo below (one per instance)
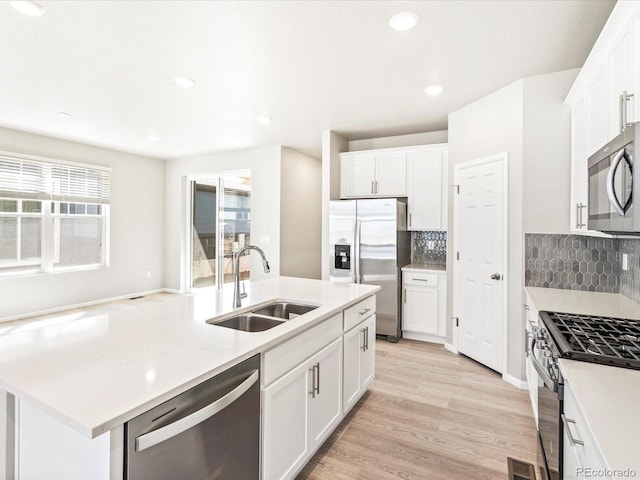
(575, 262)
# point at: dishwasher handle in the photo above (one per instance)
(153, 438)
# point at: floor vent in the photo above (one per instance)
(519, 470)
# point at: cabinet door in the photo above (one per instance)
(368, 355)
(353, 343)
(391, 174)
(579, 169)
(358, 175)
(325, 405)
(597, 113)
(622, 63)
(420, 309)
(285, 437)
(570, 462)
(424, 190)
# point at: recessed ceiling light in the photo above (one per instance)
(434, 90)
(404, 21)
(264, 120)
(184, 82)
(152, 138)
(64, 114)
(28, 7)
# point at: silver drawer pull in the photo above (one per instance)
(573, 441)
(366, 310)
(420, 279)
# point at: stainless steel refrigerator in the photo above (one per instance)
(369, 243)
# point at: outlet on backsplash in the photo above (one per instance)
(429, 248)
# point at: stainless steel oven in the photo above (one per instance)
(611, 185)
(544, 358)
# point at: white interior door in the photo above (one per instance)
(480, 243)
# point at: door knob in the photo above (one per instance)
(495, 276)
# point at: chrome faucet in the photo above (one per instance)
(237, 297)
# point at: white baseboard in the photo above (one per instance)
(423, 337)
(521, 384)
(450, 347)
(83, 305)
(172, 290)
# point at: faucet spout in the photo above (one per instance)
(237, 297)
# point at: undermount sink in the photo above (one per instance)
(248, 322)
(265, 317)
(284, 310)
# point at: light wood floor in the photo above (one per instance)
(429, 414)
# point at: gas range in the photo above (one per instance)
(604, 340)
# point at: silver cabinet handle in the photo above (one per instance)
(373, 190)
(611, 193)
(168, 431)
(376, 184)
(420, 279)
(409, 218)
(579, 222)
(365, 311)
(366, 338)
(624, 100)
(495, 276)
(573, 441)
(315, 380)
(318, 379)
(621, 109)
(363, 347)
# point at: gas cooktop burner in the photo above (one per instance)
(610, 341)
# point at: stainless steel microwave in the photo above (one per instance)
(612, 178)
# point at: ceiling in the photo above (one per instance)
(309, 65)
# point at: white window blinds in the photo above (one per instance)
(30, 178)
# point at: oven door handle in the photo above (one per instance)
(548, 381)
(611, 192)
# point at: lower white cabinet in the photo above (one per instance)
(533, 380)
(424, 299)
(300, 410)
(359, 360)
(580, 451)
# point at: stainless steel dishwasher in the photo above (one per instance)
(211, 431)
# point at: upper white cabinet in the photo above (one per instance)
(374, 173)
(419, 173)
(426, 188)
(603, 99)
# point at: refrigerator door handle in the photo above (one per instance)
(356, 246)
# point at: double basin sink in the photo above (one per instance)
(264, 317)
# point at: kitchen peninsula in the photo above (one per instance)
(80, 380)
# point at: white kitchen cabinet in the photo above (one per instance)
(424, 299)
(359, 361)
(597, 112)
(579, 170)
(533, 381)
(301, 409)
(373, 173)
(580, 449)
(623, 82)
(426, 188)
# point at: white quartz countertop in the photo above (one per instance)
(418, 267)
(589, 303)
(608, 399)
(99, 371)
(607, 396)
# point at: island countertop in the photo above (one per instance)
(98, 372)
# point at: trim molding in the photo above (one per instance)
(450, 347)
(423, 337)
(521, 384)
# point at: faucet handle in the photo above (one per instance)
(244, 294)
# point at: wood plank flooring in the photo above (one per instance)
(429, 414)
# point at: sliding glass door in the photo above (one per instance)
(220, 226)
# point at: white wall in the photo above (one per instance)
(547, 153)
(332, 145)
(488, 126)
(137, 231)
(426, 138)
(300, 215)
(264, 164)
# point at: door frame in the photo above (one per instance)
(457, 168)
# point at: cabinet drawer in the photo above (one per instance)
(360, 311)
(283, 358)
(424, 279)
(576, 427)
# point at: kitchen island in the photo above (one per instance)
(89, 375)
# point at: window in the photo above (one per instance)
(220, 220)
(53, 215)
